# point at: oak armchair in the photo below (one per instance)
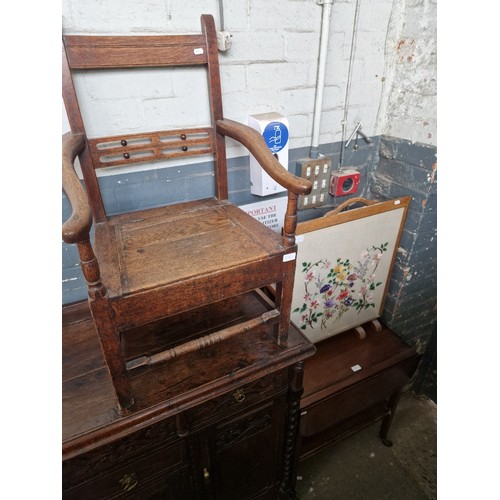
(159, 262)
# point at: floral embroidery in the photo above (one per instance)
(330, 291)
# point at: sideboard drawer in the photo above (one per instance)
(132, 478)
(237, 400)
(110, 456)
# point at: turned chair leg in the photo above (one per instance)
(103, 316)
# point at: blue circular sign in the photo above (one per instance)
(276, 136)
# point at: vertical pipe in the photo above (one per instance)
(348, 84)
(320, 81)
(221, 14)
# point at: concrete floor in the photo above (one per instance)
(361, 467)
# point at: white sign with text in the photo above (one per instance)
(271, 213)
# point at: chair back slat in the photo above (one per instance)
(134, 148)
(96, 52)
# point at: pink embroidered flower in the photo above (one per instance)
(314, 304)
(309, 276)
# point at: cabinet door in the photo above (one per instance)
(244, 454)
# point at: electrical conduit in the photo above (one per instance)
(320, 82)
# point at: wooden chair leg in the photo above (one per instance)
(103, 316)
(109, 337)
(284, 297)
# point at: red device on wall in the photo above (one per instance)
(344, 182)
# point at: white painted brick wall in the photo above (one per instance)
(408, 106)
(271, 66)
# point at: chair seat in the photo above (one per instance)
(158, 247)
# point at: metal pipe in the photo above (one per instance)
(320, 81)
(357, 130)
(221, 14)
(348, 84)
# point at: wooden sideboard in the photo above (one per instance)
(218, 423)
(350, 383)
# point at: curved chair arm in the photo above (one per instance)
(254, 142)
(77, 227)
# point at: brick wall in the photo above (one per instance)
(271, 65)
(406, 168)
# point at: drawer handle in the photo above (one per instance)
(206, 475)
(128, 481)
(239, 395)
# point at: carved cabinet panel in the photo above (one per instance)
(239, 455)
(245, 453)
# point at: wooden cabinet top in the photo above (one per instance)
(345, 360)
(89, 411)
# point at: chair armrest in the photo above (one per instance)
(77, 227)
(254, 142)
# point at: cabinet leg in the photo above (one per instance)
(387, 421)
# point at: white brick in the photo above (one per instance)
(282, 15)
(370, 71)
(300, 126)
(257, 46)
(374, 16)
(333, 95)
(233, 78)
(362, 94)
(282, 75)
(302, 46)
(370, 44)
(236, 16)
(190, 81)
(366, 114)
(239, 105)
(343, 16)
(114, 16)
(330, 127)
(112, 117)
(123, 84)
(176, 112)
(296, 101)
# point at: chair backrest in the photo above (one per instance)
(111, 52)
